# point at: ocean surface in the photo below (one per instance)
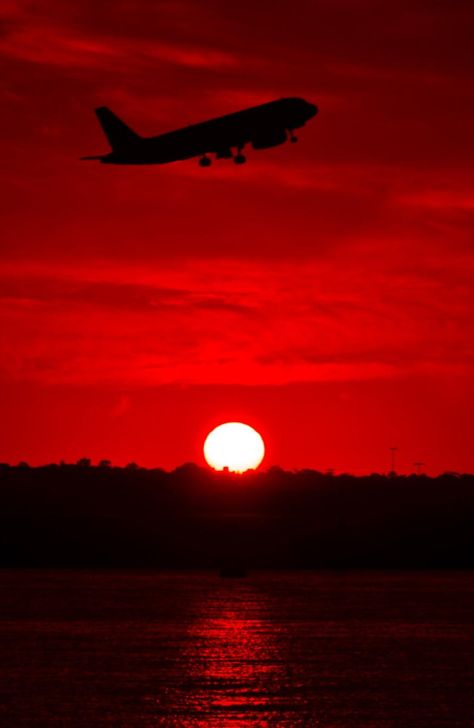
(357, 650)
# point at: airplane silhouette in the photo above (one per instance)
(261, 126)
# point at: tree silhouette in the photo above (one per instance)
(84, 462)
(78, 515)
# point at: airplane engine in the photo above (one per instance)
(268, 139)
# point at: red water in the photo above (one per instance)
(192, 650)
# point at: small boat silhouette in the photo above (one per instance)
(232, 571)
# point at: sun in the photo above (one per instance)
(234, 446)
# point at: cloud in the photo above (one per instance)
(67, 47)
(297, 173)
(33, 289)
(441, 200)
(239, 322)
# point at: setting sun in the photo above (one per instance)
(235, 446)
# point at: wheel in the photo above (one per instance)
(205, 162)
(293, 139)
(240, 159)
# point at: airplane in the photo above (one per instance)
(264, 126)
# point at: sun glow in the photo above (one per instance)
(234, 446)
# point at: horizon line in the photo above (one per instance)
(105, 464)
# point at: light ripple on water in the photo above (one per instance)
(142, 650)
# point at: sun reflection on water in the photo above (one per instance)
(234, 672)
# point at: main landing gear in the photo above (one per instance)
(239, 157)
(293, 137)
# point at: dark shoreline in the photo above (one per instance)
(80, 516)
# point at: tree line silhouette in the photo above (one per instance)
(104, 516)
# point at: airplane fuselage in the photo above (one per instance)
(261, 126)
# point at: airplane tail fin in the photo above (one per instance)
(117, 132)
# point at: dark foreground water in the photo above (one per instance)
(335, 651)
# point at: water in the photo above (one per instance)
(192, 650)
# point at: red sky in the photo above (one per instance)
(322, 292)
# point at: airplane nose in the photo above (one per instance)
(313, 109)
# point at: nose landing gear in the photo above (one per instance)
(293, 137)
(205, 161)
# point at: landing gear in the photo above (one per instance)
(205, 161)
(293, 137)
(240, 158)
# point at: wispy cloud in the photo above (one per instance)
(233, 321)
(442, 200)
(63, 46)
